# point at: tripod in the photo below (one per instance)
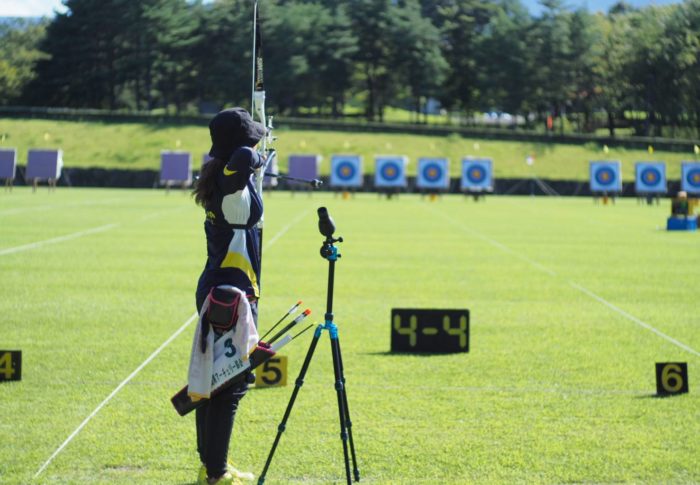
(329, 252)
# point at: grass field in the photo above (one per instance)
(138, 146)
(571, 306)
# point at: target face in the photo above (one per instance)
(432, 173)
(346, 171)
(690, 177)
(650, 177)
(605, 177)
(390, 171)
(476, 174)
(694, 178)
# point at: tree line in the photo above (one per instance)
(566, 69)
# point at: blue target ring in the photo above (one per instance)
(390, 171)
(432, 172)
(693, 177)
(605, 176)
(345, 171)
(476, 174)
(650, 176)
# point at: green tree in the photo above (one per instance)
(309, 62)
(418, 62)
(506, 61)
(19, 54)
(462, 23)
(682, 55)
(551, 41)
(612, 89)
(584, 39)
(650, 77)
(371, 20)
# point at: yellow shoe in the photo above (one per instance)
(225, 479)
(237, 473)
(202, 475)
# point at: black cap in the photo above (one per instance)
(233, 128)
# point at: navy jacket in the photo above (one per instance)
(231, 216)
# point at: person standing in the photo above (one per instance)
(233, 207)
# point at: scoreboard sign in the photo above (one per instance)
(430, 331)
(10, 365)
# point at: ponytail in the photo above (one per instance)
(205, 185)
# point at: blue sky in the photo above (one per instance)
(597, 5)
(40, 8)
(29, 8)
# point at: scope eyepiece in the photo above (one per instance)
(325, 223)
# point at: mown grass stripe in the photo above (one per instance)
(148, 360)
(573, 284)
(114, 393)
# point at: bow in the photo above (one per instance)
(258, 112)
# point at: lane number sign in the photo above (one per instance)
(10, 365)
(273, 373)
(671, 378)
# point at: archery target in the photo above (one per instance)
(606, 176)
(476, 174)
(433, 173)
(390, 171)
(346, 171)
(690, 177)
(650, 177)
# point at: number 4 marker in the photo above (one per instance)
(10, 365)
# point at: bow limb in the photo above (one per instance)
(258, 111)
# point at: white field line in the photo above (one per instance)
(115, 391)
(575, 285)
(634, 319)
(19, 210)
(284, 230)
(55, 240)
(78, 234)
(149, 359)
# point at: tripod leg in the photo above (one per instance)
(340, 388)
(348, 423)
(297, 385)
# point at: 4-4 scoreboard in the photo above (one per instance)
(429, 330)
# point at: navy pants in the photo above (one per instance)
(215, 420)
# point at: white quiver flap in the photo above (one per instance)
(224, 358)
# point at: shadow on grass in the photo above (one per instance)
(388, 353)
(660, 396)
